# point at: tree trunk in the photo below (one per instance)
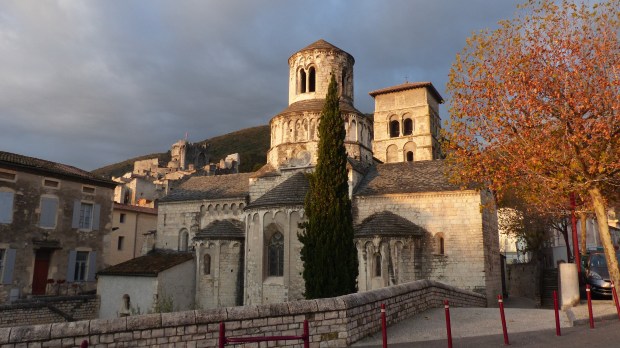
(603, 229)
(564, 232)
(583, 223)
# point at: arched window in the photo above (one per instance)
(407, 126)
(409, 156)
(311, 80)
(343, 83)
(394, 129)
(377, 265)
(207, 264)
(439, 244)
(409, 151)
(302, 81)
(275, 255)
(183, 240)
(392, 154)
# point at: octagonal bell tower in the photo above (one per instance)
(294, 131)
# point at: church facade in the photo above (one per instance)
(410, 222)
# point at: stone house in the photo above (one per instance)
(130, 226)
(53, 219)
(411, 223)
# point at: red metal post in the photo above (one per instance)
(306, 335)
(383, 325)
(501, 312)
(613, 291)
(590, 306)
(446, 305)
(557, 314)
(222, 339)
(574, 228)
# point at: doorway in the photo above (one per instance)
(41, 268)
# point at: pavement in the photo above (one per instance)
(527, 326)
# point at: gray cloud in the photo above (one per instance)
(92, 83)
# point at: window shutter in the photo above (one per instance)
(71, 266)
(49, 209)
(76, 214)
(7, 277)
(6, 207)
(96, 216)
(92, 266)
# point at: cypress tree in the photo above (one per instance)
(328, 251)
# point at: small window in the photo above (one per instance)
(394, 129)
(439, 244)
(183, 240)
(409, 156)
(7, 176)
(86, 216)
(7, 264)
(121, 242)
(302, 81)
(377, 265)
(207, 264)
(122, 218)
(49, 183)
(6, 207)
(311, 80)
(88, 190)
(275, 255)
(81, 266)
(408, 126)
(49, 211)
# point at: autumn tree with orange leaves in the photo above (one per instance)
(535, 107)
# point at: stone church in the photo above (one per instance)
(411, 223)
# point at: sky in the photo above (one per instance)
(90, 83)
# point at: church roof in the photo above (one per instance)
(148, 265)
(386, 223)
(316, 105)
(291, 191)
(406, 177)
(223, 229)
(322, 45)
(211, 187)
(408, 85)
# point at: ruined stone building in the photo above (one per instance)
(53, 219)
(411, 223)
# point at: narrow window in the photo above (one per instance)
(312, 80)
(49, 210)
(51, 183)
(122, 218)
(6, 207)
(394, 129)
(121, 241)
(275, 255)
(183, 240)
(409, 156)
(377, 265)
(441, 250)
(302, 81)
(343, 83)
(86, 216)
(81, 263)
(408, 126)
(439, 244)
(207, 264)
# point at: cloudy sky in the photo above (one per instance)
(89, 83)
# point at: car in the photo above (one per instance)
(597, 274)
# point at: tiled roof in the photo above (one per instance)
(316, 105)
(357, 165)
(406, 177)
(387, 223)
(265, 171)
(136, 208)
(322, 45)
(148, 265)
(210, 187)
(224, 229)
(36, 164)
(291, 191)
(408, 85)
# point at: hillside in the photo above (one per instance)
(252, 145)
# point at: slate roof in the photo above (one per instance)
(149, 265)
(21, 162)
(292, 191)
(322, 45)
(223, 229)
(408, 85)
(406, 177)
(316, 105)
(357, 165)
(386, 223)
(211, 187)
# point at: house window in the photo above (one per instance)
(86, 216)
(377, 265)
(121, 241)
(49, 211)
(88, 190)
(8, 176)
(183, 240)
(122, 218)
(207, 264)
(311, 80)
(2, 252)
(275, 255)
(7, 261)
(408, 126)
(6, 207)
(394, 129)
(49, 183)
(81, 264)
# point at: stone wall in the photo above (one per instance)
(48, 310)
(334, 322)
(523, 280)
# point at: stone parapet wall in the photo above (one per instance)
(334, 322)
(47, 310)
